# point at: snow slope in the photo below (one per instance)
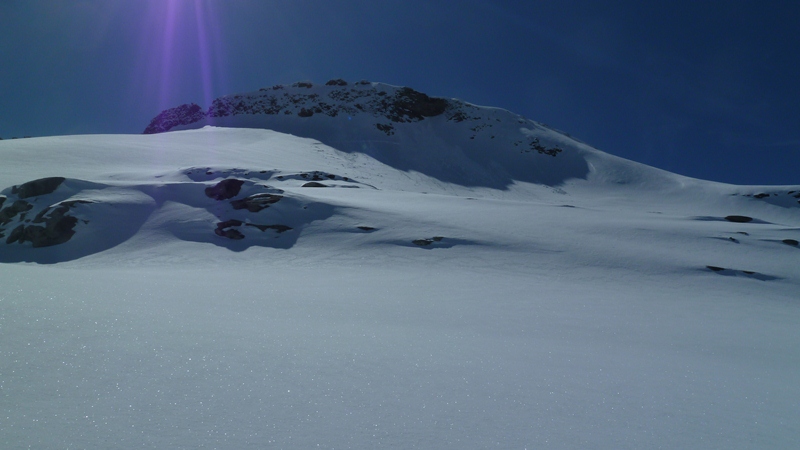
(203, 295)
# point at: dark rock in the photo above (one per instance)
(58, 228)
(386, 128)
(537, 147)
(792, 242)
(762, 195)
(2, 200)
(303, 84)
(738, 219)
(41, 216)
(56, 232)
(170, 118)
(459, 116)
(415, 105)
(736, 273)
(60, 210)
(314, 184)
(336, 82)
(41, 186)
(72, 203)
(734, 240)
(230, 234)
(225, 189)
(230, 223)
(305, 112)
(256, 202)
(221, 107)
(427, 242)
(278, 228)
(9, 212)
(16, 235)
(366, 228)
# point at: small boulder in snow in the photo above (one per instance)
(225, 189)
(738, 219)
(256, 202)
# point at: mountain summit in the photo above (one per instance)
(449, 139)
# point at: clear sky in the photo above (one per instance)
(708, 89)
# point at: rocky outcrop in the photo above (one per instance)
(277, 228)
(426, 242)
(741, 273)
(42, 186)
(225, 189)
(395, 104)
(53, 226)
(739, 219)
(171, 118)
(229, 228)
(11, 211)
(409, 105)
(256, 202)
(225, 229)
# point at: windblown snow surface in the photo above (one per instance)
(244, 288)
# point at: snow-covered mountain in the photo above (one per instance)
(448, 139)
(365, 266)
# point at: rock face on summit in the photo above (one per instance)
(402, 105)
(173, 117)
(448, 139)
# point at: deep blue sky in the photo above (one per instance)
(709, 89)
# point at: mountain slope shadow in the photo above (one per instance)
(235, 213)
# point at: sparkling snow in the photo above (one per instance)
(577, 315)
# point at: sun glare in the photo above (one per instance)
(182, 51)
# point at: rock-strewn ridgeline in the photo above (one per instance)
(386, 105)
